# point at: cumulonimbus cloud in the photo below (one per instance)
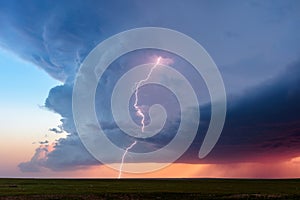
(57, 36)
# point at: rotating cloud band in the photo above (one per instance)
(139, 111)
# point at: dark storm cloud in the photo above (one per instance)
(250, 41)
(263, 123)
(57, 36)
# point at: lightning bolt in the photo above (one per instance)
(139, 111)
(123, 157)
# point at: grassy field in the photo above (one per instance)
(149, 189)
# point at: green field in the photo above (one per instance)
(149, 189)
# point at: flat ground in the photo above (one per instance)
(149, 189)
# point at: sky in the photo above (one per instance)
(253, 43)
(24, 121)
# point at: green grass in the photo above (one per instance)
(149, 189)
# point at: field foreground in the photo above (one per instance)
(149, 189)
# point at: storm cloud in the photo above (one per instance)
(263, 122)
(254, 44)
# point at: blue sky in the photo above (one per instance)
(22, 80)
(23, 122)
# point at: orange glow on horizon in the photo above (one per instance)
(288, 169)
